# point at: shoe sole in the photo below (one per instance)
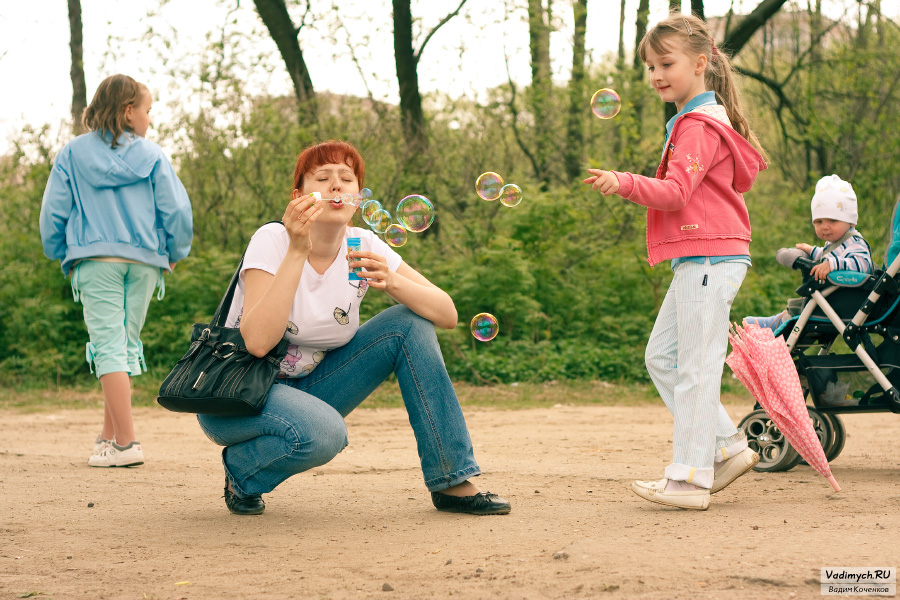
(704, 503)
(743, 470)
(247, 514)
(134, 464)
(477, 514)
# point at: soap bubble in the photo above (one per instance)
(605, 103)
(349, 198)
(380, 221)
(485, 327)
(395, 235)
(488, 185)
(415, 213)
(369, 208)
(510, 195)
(365, 194)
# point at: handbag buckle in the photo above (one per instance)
(221, 347)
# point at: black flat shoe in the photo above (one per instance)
(482, 503)
(251, 505)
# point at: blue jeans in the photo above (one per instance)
(685, 356)
(302, 425)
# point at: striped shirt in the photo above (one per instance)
(852, 255)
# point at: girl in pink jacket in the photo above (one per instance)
(697, 218)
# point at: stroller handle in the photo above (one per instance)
(804, 264)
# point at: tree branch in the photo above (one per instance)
(421, 49)
(515, 125)
(375, 105)
(736, 39)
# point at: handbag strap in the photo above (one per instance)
(221, 314)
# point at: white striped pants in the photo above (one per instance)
(685, 357)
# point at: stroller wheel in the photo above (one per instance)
(838, 437)
(764, 437)
(822, 424)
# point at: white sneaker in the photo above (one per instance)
(655, 491)
(114, 455)
(729, 470)
(99, 444)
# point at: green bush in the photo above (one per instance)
(564, 272)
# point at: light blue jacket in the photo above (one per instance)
(124, 202)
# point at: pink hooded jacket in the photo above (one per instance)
(695, 205)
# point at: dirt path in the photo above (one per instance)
(364, 523)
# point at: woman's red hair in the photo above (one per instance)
(326, 153)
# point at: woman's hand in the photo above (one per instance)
(300, 214)
(374, 268)
(604, 181)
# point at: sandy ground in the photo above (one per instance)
(363, 526)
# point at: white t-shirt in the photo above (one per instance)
(325, 313)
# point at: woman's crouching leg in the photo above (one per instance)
(295, 432)
(444, 445)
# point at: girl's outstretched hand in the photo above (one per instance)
(605, 181)
(300, 214)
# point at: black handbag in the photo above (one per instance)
(217, 375)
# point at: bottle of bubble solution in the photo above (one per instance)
(354, 245)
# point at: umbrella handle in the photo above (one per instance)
(833, 483)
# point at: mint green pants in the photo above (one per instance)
(115, 297)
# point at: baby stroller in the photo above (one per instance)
(863, 311)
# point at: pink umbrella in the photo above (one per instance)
(764, 365)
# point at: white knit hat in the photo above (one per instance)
(834, 199)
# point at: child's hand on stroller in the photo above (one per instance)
(821, 271)
(805, 247)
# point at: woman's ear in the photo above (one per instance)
(295, 194)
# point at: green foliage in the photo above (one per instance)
(565, 272)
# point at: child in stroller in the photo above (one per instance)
(864, 376)
(834, 217)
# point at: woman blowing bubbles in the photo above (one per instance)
(294, 283)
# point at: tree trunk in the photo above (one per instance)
(577, 101)
(620, 57)
(407, 62)
(640, 26)
(697, 9)
(740, 35)
(79, 93)
(275, 17)
(815, 70)
(541, 86)
(669, 108)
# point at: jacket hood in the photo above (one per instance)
(747, 160)
(105, 167)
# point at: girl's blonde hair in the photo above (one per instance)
(693, 37)
(106, 112)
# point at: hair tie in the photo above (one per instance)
(715, 51)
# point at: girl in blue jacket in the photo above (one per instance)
(116, 216)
